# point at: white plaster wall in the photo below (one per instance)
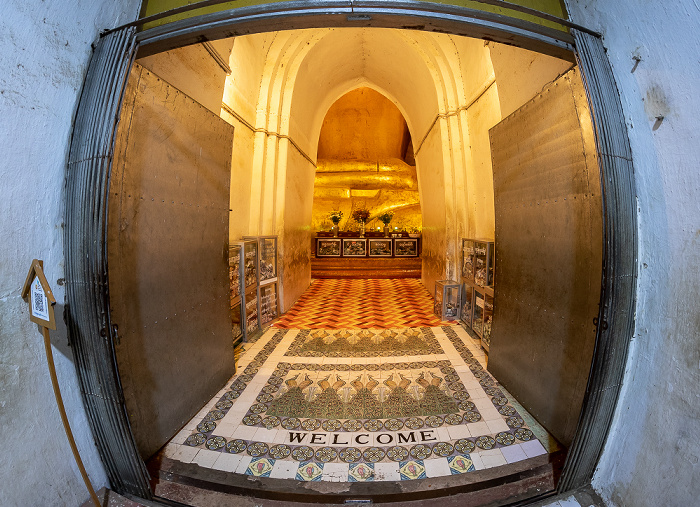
(43, 58)
(241, 92)
(193, 71)
(522, 74)
(482, 115)
(651, 456)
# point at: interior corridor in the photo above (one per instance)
(357, 405)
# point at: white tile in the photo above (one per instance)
(384, 438)
(478, 429)
(494, 459)
(436, 467)
(477, 461)
(569, 502)
(265, 435)
(171, 449)
(245, 432)
(386, 472)
(284, 469)
(243, 464)
(340, 439)
(533, 448)
(225, 430)
(497, 425)
(185, 454)
(190, 426)
(227, 462)
(513, 453)
(335, 472)
(476, 392)
(181, 437)
(459, 431)
(206, 458)
(443, 434)
(281, 436)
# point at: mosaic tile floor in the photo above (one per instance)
(361, 405)
(362, 304)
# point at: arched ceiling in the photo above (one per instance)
(308, 70)
(347, 58)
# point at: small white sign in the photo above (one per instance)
(39, 302)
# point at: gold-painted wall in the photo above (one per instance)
(362, 148)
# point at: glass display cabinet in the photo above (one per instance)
(236, 324)
(468, 259)
(406, 247)
(465, 314)
(488, 320)
(234, 269)
(328, 247)
(478, 315)
(267, 257)
(483, 263)
(380, 247)
(251, 321)
(250, 263)
(354, 247)
(268, 302)
(235, 273)
(447, 299)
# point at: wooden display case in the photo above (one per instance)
(355, 247)
(328, 247)
(380, 247)
(406, 247)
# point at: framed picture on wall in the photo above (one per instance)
(406, 247)
(354, 247)
(380, 247)
(327, 247)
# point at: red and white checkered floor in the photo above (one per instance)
(362, 304)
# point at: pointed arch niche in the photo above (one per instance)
(283, 84)
(365, 160)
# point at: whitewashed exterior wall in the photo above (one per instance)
(652, 453)
(43, 59)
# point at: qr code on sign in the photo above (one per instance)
(39, 302)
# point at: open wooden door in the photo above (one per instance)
(548, 253)
(167, 248)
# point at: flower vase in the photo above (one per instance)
(362, 229)
(335, 230)
(387, 231)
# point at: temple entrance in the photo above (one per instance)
(370, 379)
(424, 75)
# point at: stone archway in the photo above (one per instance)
(90, 326)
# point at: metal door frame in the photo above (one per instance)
(89, 167)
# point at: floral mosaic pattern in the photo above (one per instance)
(323, 396)
(361, 415)
(364, 343)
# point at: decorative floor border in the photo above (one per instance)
(407, 449)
